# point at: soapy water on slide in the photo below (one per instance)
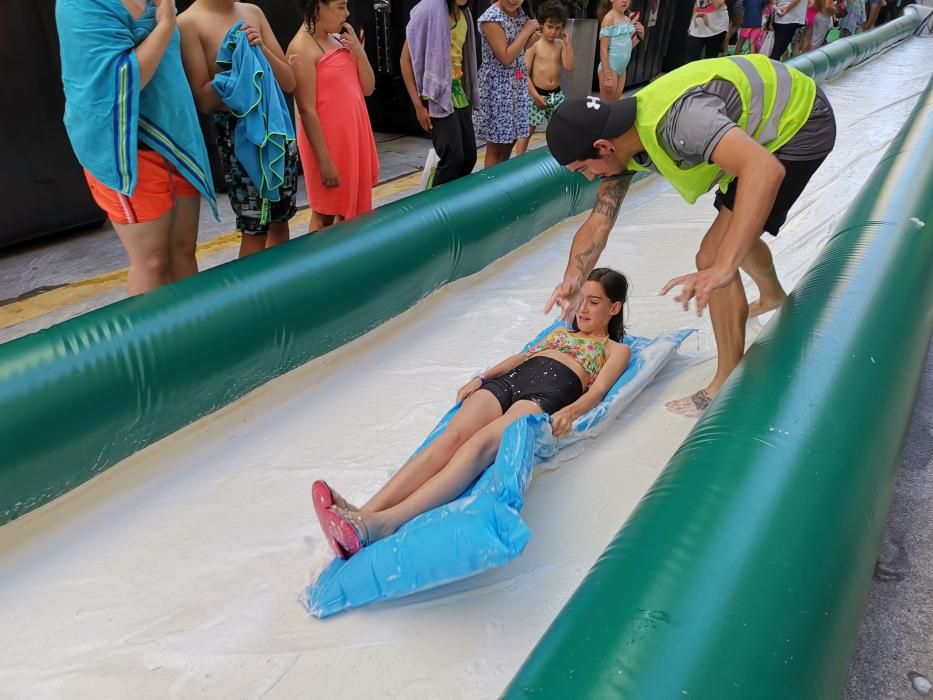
(178, 572)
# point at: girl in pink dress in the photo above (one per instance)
(335, 138)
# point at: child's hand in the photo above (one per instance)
(329, 175)
(609, 79)
(565, 37)
(424, 118)
(561, 423)
(639, 30)
(165, 12)
(253, 35)
(531, 26)
(540, 101)
(463, 393)
(349, 39)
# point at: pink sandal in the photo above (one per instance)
(347, 528)
(323, 500)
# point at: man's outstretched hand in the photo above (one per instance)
(568, 297)
(699, 285)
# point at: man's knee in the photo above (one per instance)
(704, 258)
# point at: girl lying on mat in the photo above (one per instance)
(565, 375)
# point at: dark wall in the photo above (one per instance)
(677, 46)
(648, 56)
(42, 184)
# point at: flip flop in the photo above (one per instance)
(323, 501)
(347, 528)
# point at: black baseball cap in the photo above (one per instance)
(581, 121)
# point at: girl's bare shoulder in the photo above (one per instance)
(303, 47)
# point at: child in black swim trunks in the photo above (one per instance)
(565, 375)
(262, 222)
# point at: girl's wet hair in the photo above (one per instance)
(615, 285)
(311, 10)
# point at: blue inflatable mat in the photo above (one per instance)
(483, 528)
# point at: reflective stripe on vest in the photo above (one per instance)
(776, 103)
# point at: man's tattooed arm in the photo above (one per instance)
(610, 195)
(586, 250)
(588, 243)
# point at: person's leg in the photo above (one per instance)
(873, 9)
(728, 311)
(251, 243)
(319, 221)
(693, 48)
(148, 247)
(184, 241)
(467, 139)
(759, 265)
(713, 44)
(804, 45)
(282, 211)
(783, 34)
(734, 26)
(620, 86)
(478, 411)
(449, 482)
(521, 146)
(497, 153)
(278, 233)
(445, 135)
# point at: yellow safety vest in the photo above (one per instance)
(776, 103)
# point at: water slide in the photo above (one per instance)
(178, 571)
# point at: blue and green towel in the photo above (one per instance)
(264, 128)
(108, 114)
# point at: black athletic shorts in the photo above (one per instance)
(797, 174)
(549, 383)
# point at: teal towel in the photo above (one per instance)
(106, 112)
(264, 127)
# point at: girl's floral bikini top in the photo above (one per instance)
(589, 352)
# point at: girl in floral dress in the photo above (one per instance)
(502, 117)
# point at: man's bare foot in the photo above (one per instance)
(692, 406)
(763, 306)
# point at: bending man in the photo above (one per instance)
(751, 126)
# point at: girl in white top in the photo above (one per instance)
(789, 16)
(707, 29)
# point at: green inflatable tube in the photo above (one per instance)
(743, 571)
(87, 393)
(830, 60)
(82, 395)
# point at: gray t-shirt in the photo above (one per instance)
(693, 126)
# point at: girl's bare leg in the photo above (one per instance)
(521, 146)
(185, 237)
(620, 87)
(467, 463)
(251, 243)
(497, 153)
(319, 221)
(278, 233)
(148, 247)
(478, 411)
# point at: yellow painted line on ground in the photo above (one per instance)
(76, 292)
